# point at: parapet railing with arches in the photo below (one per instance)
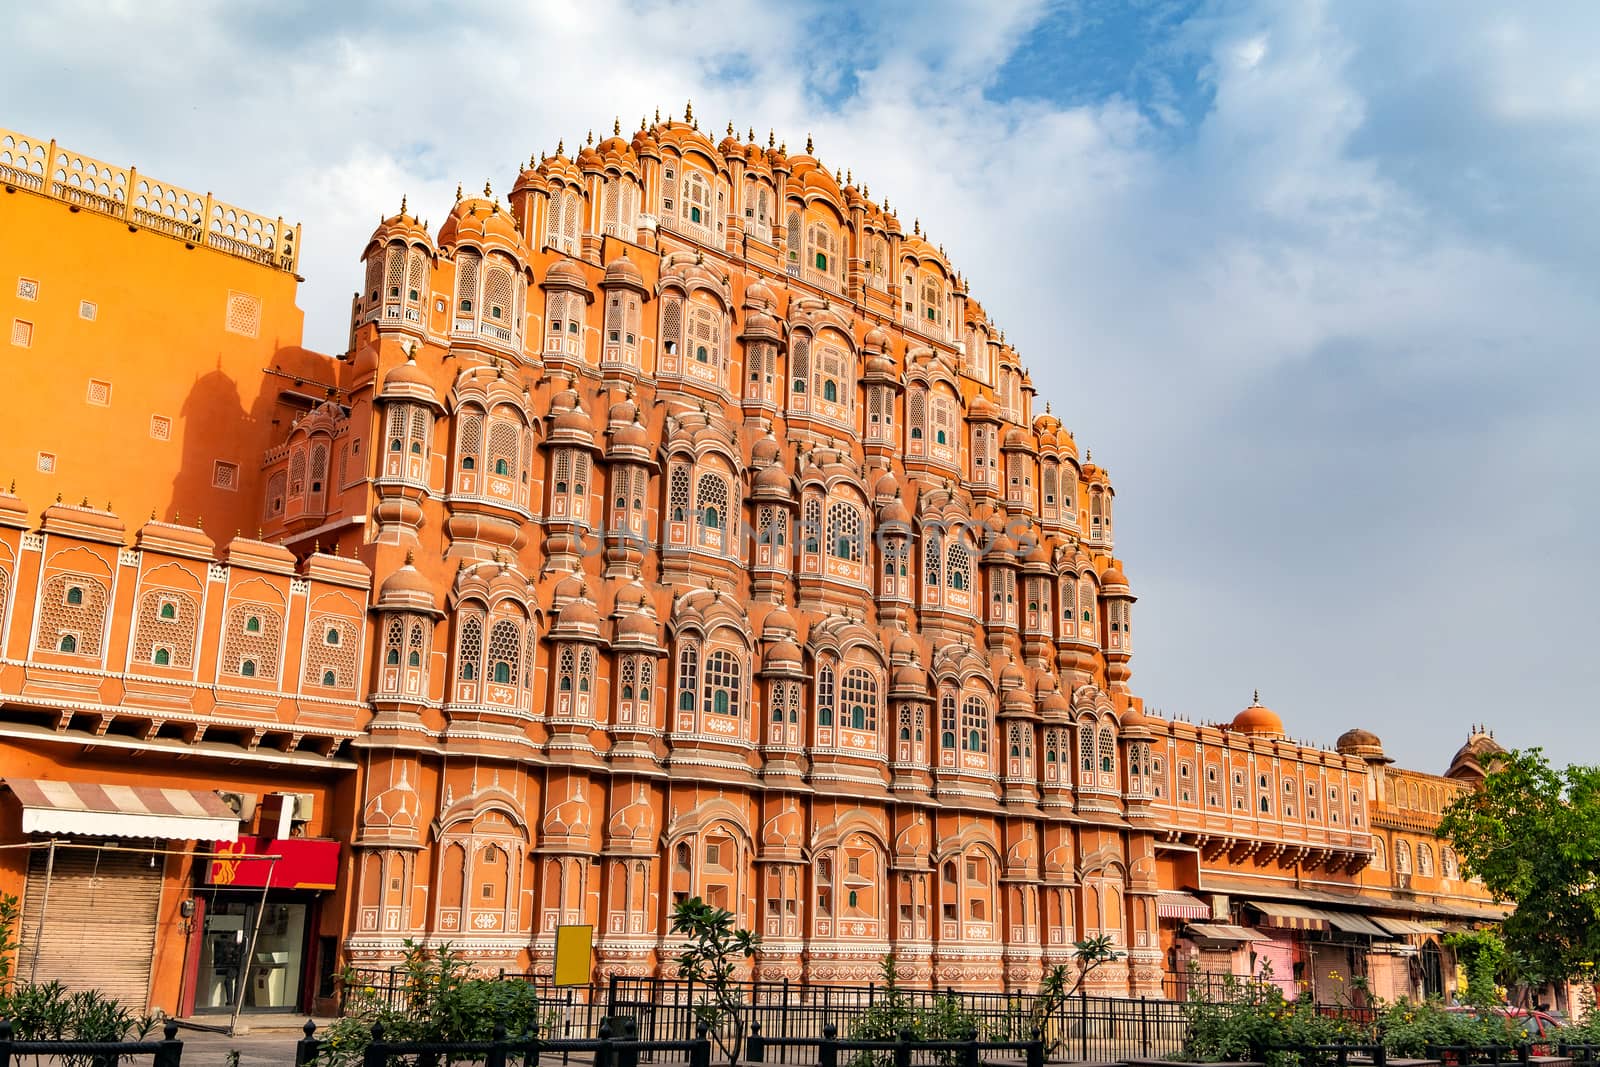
(86, 183)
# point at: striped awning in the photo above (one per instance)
(50, 807)
(1171, 904)
(1405, 926)
(1224, 932)
(1292, 916)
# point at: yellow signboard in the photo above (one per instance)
(574, 947)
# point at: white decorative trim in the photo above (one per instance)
(128, 557)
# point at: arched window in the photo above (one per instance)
(505, 651)
(723, 681)
(1378, 862)
(1402, 857)
(169, 610)
(252, 625)
(678, 493)
(469, 649)
(844, 532)
(68, 643)
(162, 658)
(711, 504)
(825, 695)
(392, 658)
(959, 566)
(860, 692)
(248, 668)
(331, 637)
(932, 558)
(975, 725)
(688, 676)
(947, 721)
(74, 595)
(1086, 749)
(1425, 860)
(1108, 751)
(328, 678)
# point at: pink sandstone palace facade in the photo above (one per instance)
(677, 524)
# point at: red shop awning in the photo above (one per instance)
(302, 863)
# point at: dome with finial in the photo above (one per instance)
(406, 589)
(1363, 744)
(623, 273)
(408, 382)
(1258, 720)
(482, 221)
(1475, 759)
(1113, 581)
(401, 227)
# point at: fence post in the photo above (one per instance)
(305, 1050)
(969, 1051)
(170, 1054)
(1083, 1025)
(828, 1051)
(902, 1051)
(602, 1055)
(700, 1054)
(1524, 1051)
(1036, 1048)
(375, 1054)
(611, 994)
(5, 1043)
(755, 1046)
(1380, 1055)
(1144, 1026)
(497, 1047)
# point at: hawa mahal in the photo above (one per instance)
(678, 523)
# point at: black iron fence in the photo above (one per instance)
(1466, 1055)
(1580, 1053)
(506, 1050)
(663, 1009)
(168, 1052)
(905, 1051)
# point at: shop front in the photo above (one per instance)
(257, 910)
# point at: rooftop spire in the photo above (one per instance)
(809, 147)
(688, 111)
(616, 126)
(402, 204)
(591, 137)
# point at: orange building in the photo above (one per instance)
(680, 526)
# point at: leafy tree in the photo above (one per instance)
(711, 957)
(1532, 834)
(1485, 958)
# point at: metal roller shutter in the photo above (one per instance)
(99, 922)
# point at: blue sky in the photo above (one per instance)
(1315, 281)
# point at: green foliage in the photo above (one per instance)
(1585, 1026)
(711, 957)
(48, 1012)
(1532, 834)
(1409, 1028)
(1253, 1016)
(10, 921)
(1483, 953)
(893, 1016)
(441, 1002)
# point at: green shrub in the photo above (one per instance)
(440, 1002)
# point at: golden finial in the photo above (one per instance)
(772, 138)
(458, 192)
(809, 147)
(152, 514)
(730, 129)
(561, 147)
(751, 136)
(658, 116)
(837, 177)
(109, 507)
(1047, 407)
(642, 123)
(916, 227)
(1256, 699)
(533, 161)
(866, 191)
(411, 557)
(591, 137)
(783, 149)
(688, 111)
(200, 523)
(402, 204)
(85, 503)
(487, 192)
(259, 532)
(616, 126)
(849, 177)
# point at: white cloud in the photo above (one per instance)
(1332, 338)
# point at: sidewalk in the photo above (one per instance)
(263, 1044)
